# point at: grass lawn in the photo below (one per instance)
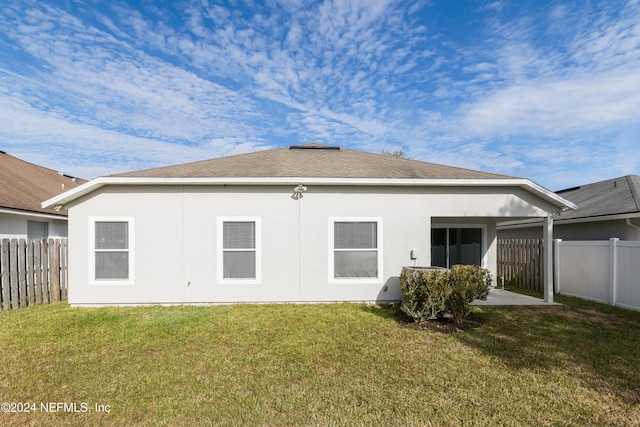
(333, 364)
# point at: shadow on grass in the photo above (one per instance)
(386, 311)
(595, 343)
(598, 345)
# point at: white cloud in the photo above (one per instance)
(556, 108)
(210, 80)
(94, 80)
(552, 94)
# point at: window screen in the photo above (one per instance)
(239, 250)
(239, 235)
(112, 235)
(356, 249)
(112, 250)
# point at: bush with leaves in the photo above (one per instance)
(468, 282)
(424, 292)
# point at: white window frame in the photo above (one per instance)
(131, 250)
(220, 250)
(331, 254)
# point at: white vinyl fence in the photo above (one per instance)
(603, 271)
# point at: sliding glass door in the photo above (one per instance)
(451, 246)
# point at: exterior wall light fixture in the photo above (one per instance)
(297, 192)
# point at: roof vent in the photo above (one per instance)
(569, 189)
(314, 146)
(71, 177)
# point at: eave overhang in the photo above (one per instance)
(62, 199)
(35, 214)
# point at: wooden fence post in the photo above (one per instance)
(525, 263)
(64, 248)
(54, 269)
(29, 270)
(4, 274)
(44, 257)
(13, 270)
(37, 270)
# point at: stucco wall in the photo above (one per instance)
(14, 226)
(175, 238)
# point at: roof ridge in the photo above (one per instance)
(329, 161)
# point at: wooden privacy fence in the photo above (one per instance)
(521, 263)
(32, 272)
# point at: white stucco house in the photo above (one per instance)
(308, 223)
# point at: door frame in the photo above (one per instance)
(483, 244)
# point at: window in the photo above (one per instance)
(355, 245)
(451, 246)
(37, 230)
(239, 258)
(111, 260)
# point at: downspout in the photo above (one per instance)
(297, 196)
(631, 224)
(300, 248)
(636, 226)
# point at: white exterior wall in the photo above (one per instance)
(175, 238)
(14, 226)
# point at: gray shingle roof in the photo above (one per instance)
(312, 161)
(610, 197)
(23, 185)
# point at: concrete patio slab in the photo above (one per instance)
(498, 296)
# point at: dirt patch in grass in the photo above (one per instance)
(445, 325)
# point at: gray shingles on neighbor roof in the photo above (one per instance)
(312, 161)
(615, 196)
(598, 200)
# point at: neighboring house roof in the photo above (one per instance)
(23, 186)
(615, 196)
(311, 164)
(598, 201)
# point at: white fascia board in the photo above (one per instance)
(34, 214)
(74, 193)
(552, 197)
(97, 183)
(537, 222)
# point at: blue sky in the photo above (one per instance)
(548, 90)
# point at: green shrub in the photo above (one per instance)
(468, 282)
(424, 292)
